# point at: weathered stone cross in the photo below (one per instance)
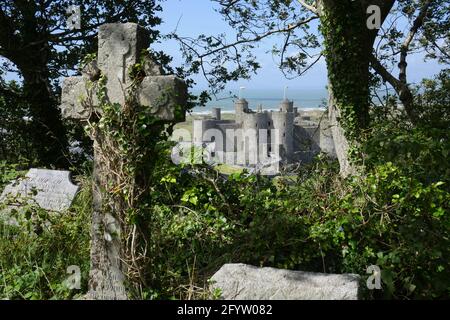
(119, 48)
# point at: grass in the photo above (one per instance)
(35, 255)
(228, 169)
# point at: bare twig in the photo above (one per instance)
(405, 46)
(401, 85)
(244, 41)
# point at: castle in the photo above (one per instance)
(262, 139)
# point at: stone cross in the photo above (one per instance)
(119, 48)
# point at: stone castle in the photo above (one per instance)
(263, 139)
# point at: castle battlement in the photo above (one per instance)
(255, 136)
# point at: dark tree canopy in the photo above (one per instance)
(38, 46)
(42, 26)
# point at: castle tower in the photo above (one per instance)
(216, 113)
(287, 106)
(240, 107)
(283, 122)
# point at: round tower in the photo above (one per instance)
(216, 113)
(283, 123)
(240, 107)
(251, 144)
(287, 106)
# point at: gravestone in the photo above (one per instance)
(119, 48)
(51, 190)
(244, 282)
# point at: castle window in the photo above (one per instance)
(213, 139)
(181, 153)
(180, 139)
(213, 154)
(268, 123)
(284, 134)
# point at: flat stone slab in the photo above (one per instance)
(52, 190)
(245, 282)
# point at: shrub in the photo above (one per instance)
(35, 254)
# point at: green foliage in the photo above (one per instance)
(396, 222)
(420, 151)
(38, 48)
(199, 220)
(36, 252)
(8, 172)
(15, 132)
(322, 223)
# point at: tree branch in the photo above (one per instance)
(62, 36)
(309, 7)
(405, 46)
(400, 85)
(402, 89)
(436, 45)
(255, 39)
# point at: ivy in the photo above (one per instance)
(129, 139)
(346, 53)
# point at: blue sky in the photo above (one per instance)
(195, 17)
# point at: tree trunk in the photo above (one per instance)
(348, 46)
(340, 141)
(30, 51)
(48, 133)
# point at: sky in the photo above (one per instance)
(194, 17)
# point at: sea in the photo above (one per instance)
(269, 99)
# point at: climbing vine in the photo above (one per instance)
(348, 68)
(128, 141)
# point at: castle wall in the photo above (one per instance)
(229, 143)
(210, 130)
(251, 138)
(306, 142)
(250, 142)
(216, 113)
(240, 108)
(284, 123)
